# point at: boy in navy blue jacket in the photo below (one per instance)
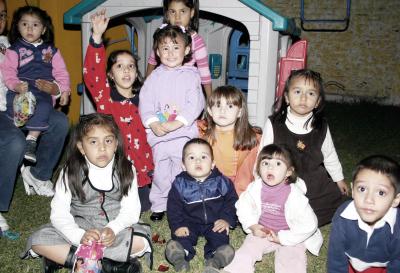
(201, 202)
(365, 235)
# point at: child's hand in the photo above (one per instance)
(21, 87)
(220, 226)
(99, 25)
(182, 232)
(259, 231)
(107, 236)
(170, 126)
(157, 129)
(90, 236)
(273, 237)
(64, 99)
(49, 87)
(344, 189)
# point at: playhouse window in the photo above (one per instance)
(241, 62)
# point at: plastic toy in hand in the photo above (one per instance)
(24, 107)
(88, 258)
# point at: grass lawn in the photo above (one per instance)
(358, 130)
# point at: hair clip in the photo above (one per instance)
(183, 29)
(163, 26)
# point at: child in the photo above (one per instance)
(95, 199)
(365, 235)
(186, 13)
(115, 91)
(201, 202)
(234, 140)
(277, 216)
(170, 101)
(31, 64)
(299, 123)
(4, 44)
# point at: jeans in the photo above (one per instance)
(12, 150)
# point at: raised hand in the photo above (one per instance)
(99, 22)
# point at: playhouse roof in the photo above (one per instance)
(279, 23)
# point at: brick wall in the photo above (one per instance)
(362, 62)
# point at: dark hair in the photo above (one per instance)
(280, 106)
(198, 141)
(45, 19)
(281, 152)
(381, 164)
(245, 137)
(112, 59)
(192, 4)
(75, 167)
(172, 32)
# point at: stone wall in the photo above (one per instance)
(360, 63)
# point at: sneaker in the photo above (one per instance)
(175, 254)
(3, 223)
(30, 152)
(44, 188)
(28, 189)
(4, 230)
(222, 257)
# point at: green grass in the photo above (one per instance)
(358, 130)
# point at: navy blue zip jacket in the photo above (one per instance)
(203, 203)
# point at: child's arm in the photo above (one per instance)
(61, 217)
(337, 260)
(230, 198)
(95, 62)
(246, 207)
(175, 210)
(9, 70)
(332, 163)
(129, 212)
(200, 55)
(61, 76)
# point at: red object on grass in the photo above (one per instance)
(163, 268)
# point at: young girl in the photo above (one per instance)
(115, 91)
(32, 63)
(277, 216)
(170, 102)
(299, 123)
(186, 13)
(234, 140)
(95, 199)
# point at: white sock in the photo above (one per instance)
(30, 137)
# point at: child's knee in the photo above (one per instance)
(139, 246)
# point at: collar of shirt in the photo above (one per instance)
(34, 44)
(116, 96)
(296, 124)
(101, 178)
(350, 213)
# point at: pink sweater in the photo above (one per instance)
(199, 57)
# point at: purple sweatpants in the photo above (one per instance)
(288, 259)
(167, 158)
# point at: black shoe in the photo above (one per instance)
(157, 216)
(50, 266)
(132, 266)
(30, 152)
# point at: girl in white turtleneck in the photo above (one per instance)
(299, 123)
(96, 198)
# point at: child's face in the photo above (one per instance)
(172, 53)
(274, 171)
(224, 114)
(373, 195)
(3, 16)
(123, 73)
(31, 28)
(198, 161)
(303, 96)
(179, 15)
(99, 146)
